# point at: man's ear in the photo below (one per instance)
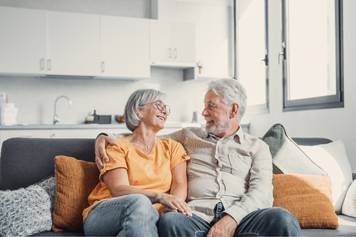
(234, 110)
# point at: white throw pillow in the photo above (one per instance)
(290, 159)
(332, 158)
(287, 157)
(349, 205)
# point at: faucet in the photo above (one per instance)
(55, 115)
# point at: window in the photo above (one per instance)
(252, 52)
(311, 54)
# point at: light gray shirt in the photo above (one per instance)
(235, 170)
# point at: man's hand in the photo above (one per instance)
(225, 227)
(100, 149)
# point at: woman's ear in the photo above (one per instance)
(139, 114)
(234, 110)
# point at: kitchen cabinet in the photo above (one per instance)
(48, 43)
(172, 44)
(214, 51)
(41, 42)
(124, 47)
(22, 41)
(73, 42)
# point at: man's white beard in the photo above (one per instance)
(218, 128)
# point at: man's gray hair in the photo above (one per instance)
(136, 101)
(232, 92)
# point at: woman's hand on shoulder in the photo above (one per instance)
(172, 203)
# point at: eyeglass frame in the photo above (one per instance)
(162, 107)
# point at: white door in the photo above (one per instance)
(160, 40)
(125, 47)
(73, 44)
(183, 42)
(22, 40)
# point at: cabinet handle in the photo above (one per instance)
(170, 55)
(42, 64)
(175, 53)
(102, 66)
(49, 64)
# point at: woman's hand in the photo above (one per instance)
(172, 203)
(100, 149)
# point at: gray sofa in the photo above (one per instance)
(25, 161)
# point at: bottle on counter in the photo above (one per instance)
(8, 114)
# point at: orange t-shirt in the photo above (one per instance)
(151, 172)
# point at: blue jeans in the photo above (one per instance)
(130, 215)
(262, 222)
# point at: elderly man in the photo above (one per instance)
(229, 174)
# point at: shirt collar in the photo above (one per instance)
(238, 136)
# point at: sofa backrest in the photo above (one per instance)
(25, 161)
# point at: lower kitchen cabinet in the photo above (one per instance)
(69, 132)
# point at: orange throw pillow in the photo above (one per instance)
(307, 197)
(75, 179)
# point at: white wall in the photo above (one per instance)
(331, 123)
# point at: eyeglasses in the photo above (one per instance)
(162, 107)
(211, 107)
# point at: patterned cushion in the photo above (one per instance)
(49, 185)
(24, 211)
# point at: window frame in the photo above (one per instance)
(320, 102)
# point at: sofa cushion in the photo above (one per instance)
(24, 211)
(332, 158)
(307, 197)
(74, 181)
(287, 156)
(347, 227)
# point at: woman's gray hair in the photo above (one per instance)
(136, 101)
(232, 92)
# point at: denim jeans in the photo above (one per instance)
(130, 215)
(262, 222)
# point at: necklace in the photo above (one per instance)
(146, 148)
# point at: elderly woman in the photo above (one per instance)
(142, 170)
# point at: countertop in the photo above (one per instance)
(88, 126)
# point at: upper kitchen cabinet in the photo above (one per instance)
(214, 35)
(22, 41)
(215, 42)
(172, 44)
(73, 42)
(124, 47)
